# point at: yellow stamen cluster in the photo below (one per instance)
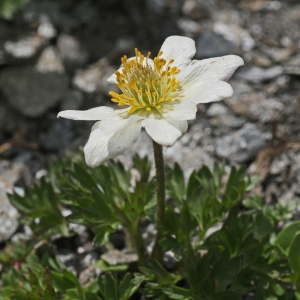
(147, 88)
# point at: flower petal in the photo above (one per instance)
(210, 92)
(208, 70)
(109, 126)
(180, 48)
(101, 147)
(93, 114)
(184, 110)
(165, 131)
(113, 78)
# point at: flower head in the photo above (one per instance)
(159, 94)
(149, 88)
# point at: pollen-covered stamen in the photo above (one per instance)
(147, 86)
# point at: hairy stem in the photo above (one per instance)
(161, 195)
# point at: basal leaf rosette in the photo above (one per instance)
(159, 94)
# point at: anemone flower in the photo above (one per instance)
(159, 94)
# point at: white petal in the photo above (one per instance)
(101, 147)
(93, 114)
(208, 70)
(210, 92)
(180, 48)
(109, 126)
(113, 78)
(96, 125)
(184, 110)
(165, 131)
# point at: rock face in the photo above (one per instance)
(241, 145)
(211, 44)
(9, 174)
(257, 75)
(50, 61)
(30, 92)
(8, 217)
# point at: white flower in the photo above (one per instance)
(159, 95)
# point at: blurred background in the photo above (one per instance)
(57, 54)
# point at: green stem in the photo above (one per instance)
(133, 238)
(129, 241)
(161, 195)
(139, 245)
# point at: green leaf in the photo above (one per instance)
(236, 187)
(64, 281)
(286, 236)
(74, 294)
(85, 179)
(9, 7)
(103, 210)
(102, 233)
(105, 267)
(129, 286)
(108, 287)
(294, 255)
(199, 272)
(176, 185)
(49, 293)
(227, 296)
(91, 296)
(143, 166)
(255, 202)
(178, 293)
(262, 226)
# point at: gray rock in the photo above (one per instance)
(256, 106)
(6, 33)
(58, 135)
(71, 51)
(210, 44)
(9, 174)
(197, 9)
(235, 34)
(124, 44)
(10, 120)
(189, 26)
(280, 165)
(46, 28)
(49, 61)
(257, 75)
(242, 145)
(188, 159)
(94, 78)
(185, 151)
(24, 47)
(225, 122)
(30, 92)
(8, 217)
(88, 275)
(217, 109)
(72, 100)
(293, 66)
(279, 54)
(157, 6)
(115, 257)
(261, 59)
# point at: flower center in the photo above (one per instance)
(148, 87)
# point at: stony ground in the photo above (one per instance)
(57, 55)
